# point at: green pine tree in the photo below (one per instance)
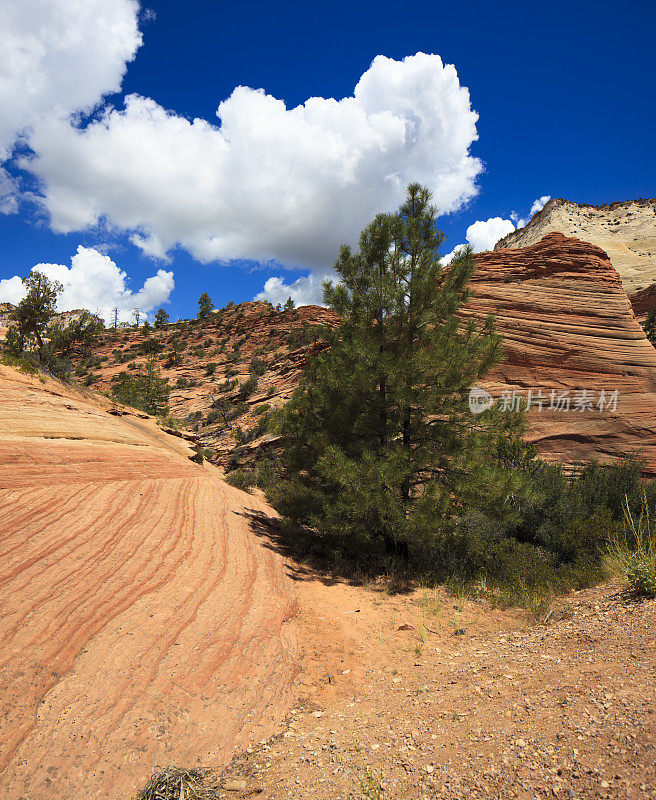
(146, 390)
(161, 318)
(380, 441)
(205, 306)
(34, 311)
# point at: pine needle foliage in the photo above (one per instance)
(380, 441)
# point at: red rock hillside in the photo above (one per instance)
(565, 318)
(569, 327)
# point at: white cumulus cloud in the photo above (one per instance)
(304, 291)
(95, 282)
(58, 57)
(483, 235)
(539, 204)
(269, 182)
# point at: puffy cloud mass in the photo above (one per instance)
(269, 182)
(95, 282)
(59, 57)
(483, 235)
(304, 291)
(539, 204)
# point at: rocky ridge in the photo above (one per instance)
(568, 328)
(626, 231)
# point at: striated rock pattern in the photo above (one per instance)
(566, 321)
(568, 326)
(626, 231)
(142, 622)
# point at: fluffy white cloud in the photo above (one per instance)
(304, 291)
(483, 235)
(95, 282)
(269, 182)
(11, 290)
(539, 204)
(60, 56)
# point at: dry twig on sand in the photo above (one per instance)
(175, 783)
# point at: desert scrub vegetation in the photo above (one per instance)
(146, 390)
(632, 550)
(388, 471)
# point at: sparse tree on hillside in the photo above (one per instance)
(137, 316)
(81, 333)
(161, 318)
(205, 306)
(34, 311)
(115, 317)
(146, 327)
(146, 390)
(380, 440)
(289, 304)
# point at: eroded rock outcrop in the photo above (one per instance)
(142, 621)
(568, 327)
(626, 231)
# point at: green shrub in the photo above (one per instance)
(146, 390)
(257, 367)
(23, 363)
(248, 387)
(243, 479)
(198, 456)
(632, 552)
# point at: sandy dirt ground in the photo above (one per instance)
(430, 696)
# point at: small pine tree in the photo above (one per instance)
(205, 306)
(289, 304)
(137, 316)
(161, 318)
(380, 440)
(34, 311)
(146, 390)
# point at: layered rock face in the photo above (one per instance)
(625, 231)
(568, 327)
(142, 621)
(567, 323)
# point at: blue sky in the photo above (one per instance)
(564, 94)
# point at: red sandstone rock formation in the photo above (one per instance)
(568, 326)
(142, 622)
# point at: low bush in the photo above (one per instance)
(632, 551)
(243, 479)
